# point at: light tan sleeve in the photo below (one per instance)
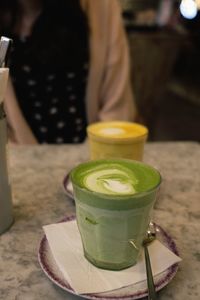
(19, 131)
(116, 95)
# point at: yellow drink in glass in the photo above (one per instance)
(117, 139)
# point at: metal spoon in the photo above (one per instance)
(150, 236)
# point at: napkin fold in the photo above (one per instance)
(66, 247)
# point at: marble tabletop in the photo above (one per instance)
(37, 173)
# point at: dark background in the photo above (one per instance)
(165, 64)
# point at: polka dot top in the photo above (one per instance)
(52, 100)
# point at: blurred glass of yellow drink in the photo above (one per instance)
(117, 139)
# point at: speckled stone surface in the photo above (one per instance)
(37, 173)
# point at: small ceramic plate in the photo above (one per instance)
(67, 185)
(135, 291)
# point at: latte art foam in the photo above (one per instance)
(117, 130)
(112, 131)
(111, 181)
(115, 177)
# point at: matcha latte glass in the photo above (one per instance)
(114, 201)
(117, 139)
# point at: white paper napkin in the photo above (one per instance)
(65, 244)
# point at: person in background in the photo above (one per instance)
(69, 66)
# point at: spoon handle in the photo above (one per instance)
(150, 282)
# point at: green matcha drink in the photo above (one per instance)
(114, 200)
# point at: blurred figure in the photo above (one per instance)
(69, 67)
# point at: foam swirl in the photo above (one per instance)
(111, 181)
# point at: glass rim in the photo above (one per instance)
(121, 196)
(111, 139)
